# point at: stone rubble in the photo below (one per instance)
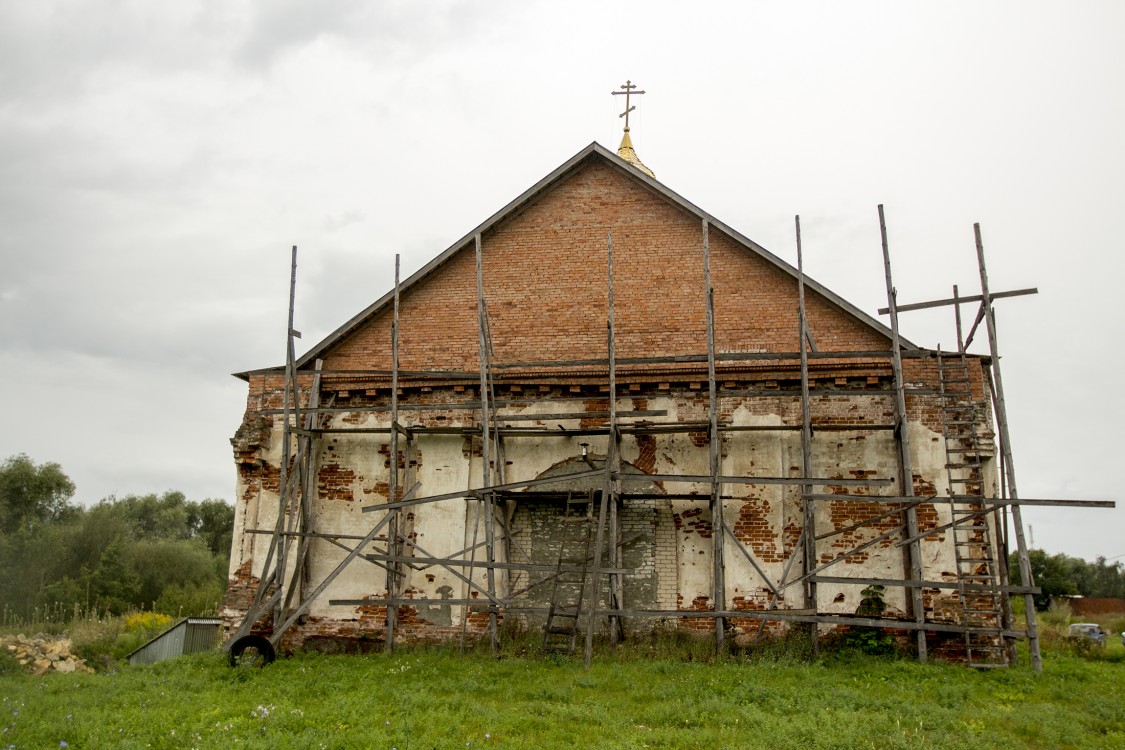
(42, 654)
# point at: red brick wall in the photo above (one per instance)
(545, 282)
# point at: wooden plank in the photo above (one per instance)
(404, 602)
(815, 428)
(611, 447)
(718, 524)
(580, 415)
(968, 498)
(392, 578)
(626, 361)
(927, 584)
(729, 479)
(475, 405)
(486, 439)
(828, 619)
(902, 437)
(809, 509)
(422, 562)
(310, 534)
(957, 300)
(719, 357)
(286, 494)
(308, 449)
(481, 491)
(1006, 451)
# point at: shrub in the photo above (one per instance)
(147, 622)
(104, 642)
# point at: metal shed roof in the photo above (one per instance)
(188, 636)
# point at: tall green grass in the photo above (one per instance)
(432, 698)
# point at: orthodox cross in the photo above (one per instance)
(628, 86)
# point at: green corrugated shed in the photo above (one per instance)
(188, 636)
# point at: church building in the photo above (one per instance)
(603, 413)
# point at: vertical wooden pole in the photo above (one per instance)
(499, 472)
(286, 437)
(1003, 539)
(902, 435)
(718, 594)
(613, 546)
(611, 461)
(306, 454)
(392, 483)
(486, 464)
(498, 443)
(808, 505)
(1006, 452)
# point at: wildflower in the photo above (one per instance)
(63, 744)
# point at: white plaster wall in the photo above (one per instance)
(446, 464)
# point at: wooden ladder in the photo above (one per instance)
(560, 633)
(977, 582)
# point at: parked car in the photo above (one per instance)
(1090, 630)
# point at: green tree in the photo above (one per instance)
(118, 554)
(214, 524)
(162, 563)
(1062, 575)
(1052, 574)
(114, 583)
(154, 516)
(32, 495)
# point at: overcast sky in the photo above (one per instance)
(158, 160)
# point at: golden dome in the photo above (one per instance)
(626, 152)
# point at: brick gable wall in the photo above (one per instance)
(545, 282)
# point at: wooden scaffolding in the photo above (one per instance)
(978, 526)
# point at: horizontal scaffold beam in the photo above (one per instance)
(708, 479)
(638, 428)
(720, 356)
(956, 301)
(945, 499)
(790, 615)
(447, 562)
(802, 616)
(925, 584)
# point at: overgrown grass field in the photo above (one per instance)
(432, 698)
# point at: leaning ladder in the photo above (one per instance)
(560, 633)
(977, 583)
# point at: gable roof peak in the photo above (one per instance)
(638, 172)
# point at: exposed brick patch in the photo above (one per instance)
(335, 482)
(646, 458)
(753, 527)
(692, 521)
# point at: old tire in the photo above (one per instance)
(251, 650)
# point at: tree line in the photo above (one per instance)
(1063, 575)
(161, 552)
